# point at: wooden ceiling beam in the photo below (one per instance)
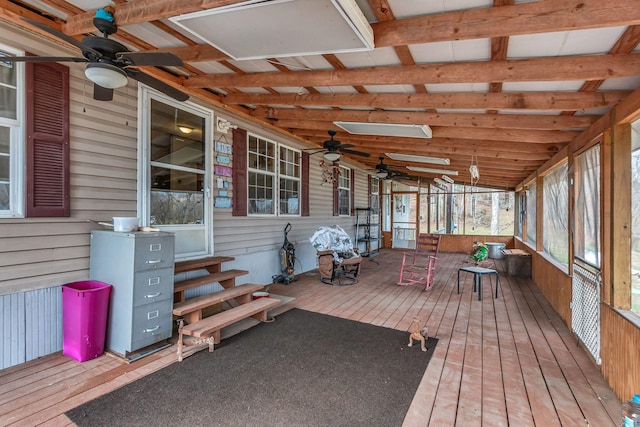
(581, 67)
(557, 101)
(508, 20)
(527, 18)
(520, 135)
(504, 121)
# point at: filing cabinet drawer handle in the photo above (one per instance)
(152, 329)
(154, 261)
(153, 295)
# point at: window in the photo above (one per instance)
(489, 212)
(11, 146)
(344, 191)
(586, 237)
(177, 163)
(269, 165)
(555, 229)
(289, 181)
(531, 214)
(436, 210)
(521, 207)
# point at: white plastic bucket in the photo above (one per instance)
(125, 223)
(258, 295)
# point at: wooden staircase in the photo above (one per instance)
(193, 322)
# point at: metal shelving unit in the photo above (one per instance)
(368, 237)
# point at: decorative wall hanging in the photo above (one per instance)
(330, 171)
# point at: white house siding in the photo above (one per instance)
(38, 255)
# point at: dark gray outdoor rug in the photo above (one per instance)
(303, 369)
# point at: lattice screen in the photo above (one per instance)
(585, 319)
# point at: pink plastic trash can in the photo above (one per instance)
(85, 306)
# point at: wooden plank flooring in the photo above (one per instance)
(508, 361)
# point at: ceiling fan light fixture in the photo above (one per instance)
(381, 174)
(106, 75)
(332, 156)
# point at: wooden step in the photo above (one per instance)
(226, 278)
(213, 324)
(208, 329)
(191, 309)
(212, 264)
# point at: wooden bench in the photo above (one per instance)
(191, 309)
(227, 279)
(208, 329)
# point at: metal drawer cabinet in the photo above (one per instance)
(139, 266)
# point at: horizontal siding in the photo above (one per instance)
(43, 252)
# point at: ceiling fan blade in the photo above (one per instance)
(156, 59)
(40, 59)
(157, 84)
(342, 146)
(357, 153)
(102, 93)
(63, 36)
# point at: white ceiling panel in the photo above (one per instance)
(460, 50)
(542, 86)
(372, 58)
(404, 8)
(621, 83)
(254, 66)
(211, 67)
(336, 89)
(390, 89)
(145, 31)
(458, 87)
(580, 42)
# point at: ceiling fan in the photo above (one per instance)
(332, 149)
(383, 171)
(109, 63)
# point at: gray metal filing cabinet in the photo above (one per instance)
(139, 266)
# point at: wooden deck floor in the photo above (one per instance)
(499, 362)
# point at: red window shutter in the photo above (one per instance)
(47, 129)
(239, 173)
(352, 183)
(304, 208)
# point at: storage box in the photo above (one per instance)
(518, 262)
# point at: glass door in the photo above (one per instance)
(404, 216)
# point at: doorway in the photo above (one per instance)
(404, 219)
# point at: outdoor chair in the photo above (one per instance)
(418, 267)
(338, 261)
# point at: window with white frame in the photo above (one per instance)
(273, 171)
(11, 146)
(555, 221)
(289, 183)
(344, 191)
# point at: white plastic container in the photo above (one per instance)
(125, 223)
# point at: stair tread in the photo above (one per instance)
(208, 278)
(197, 264)
(218, 321)
(200, 302)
